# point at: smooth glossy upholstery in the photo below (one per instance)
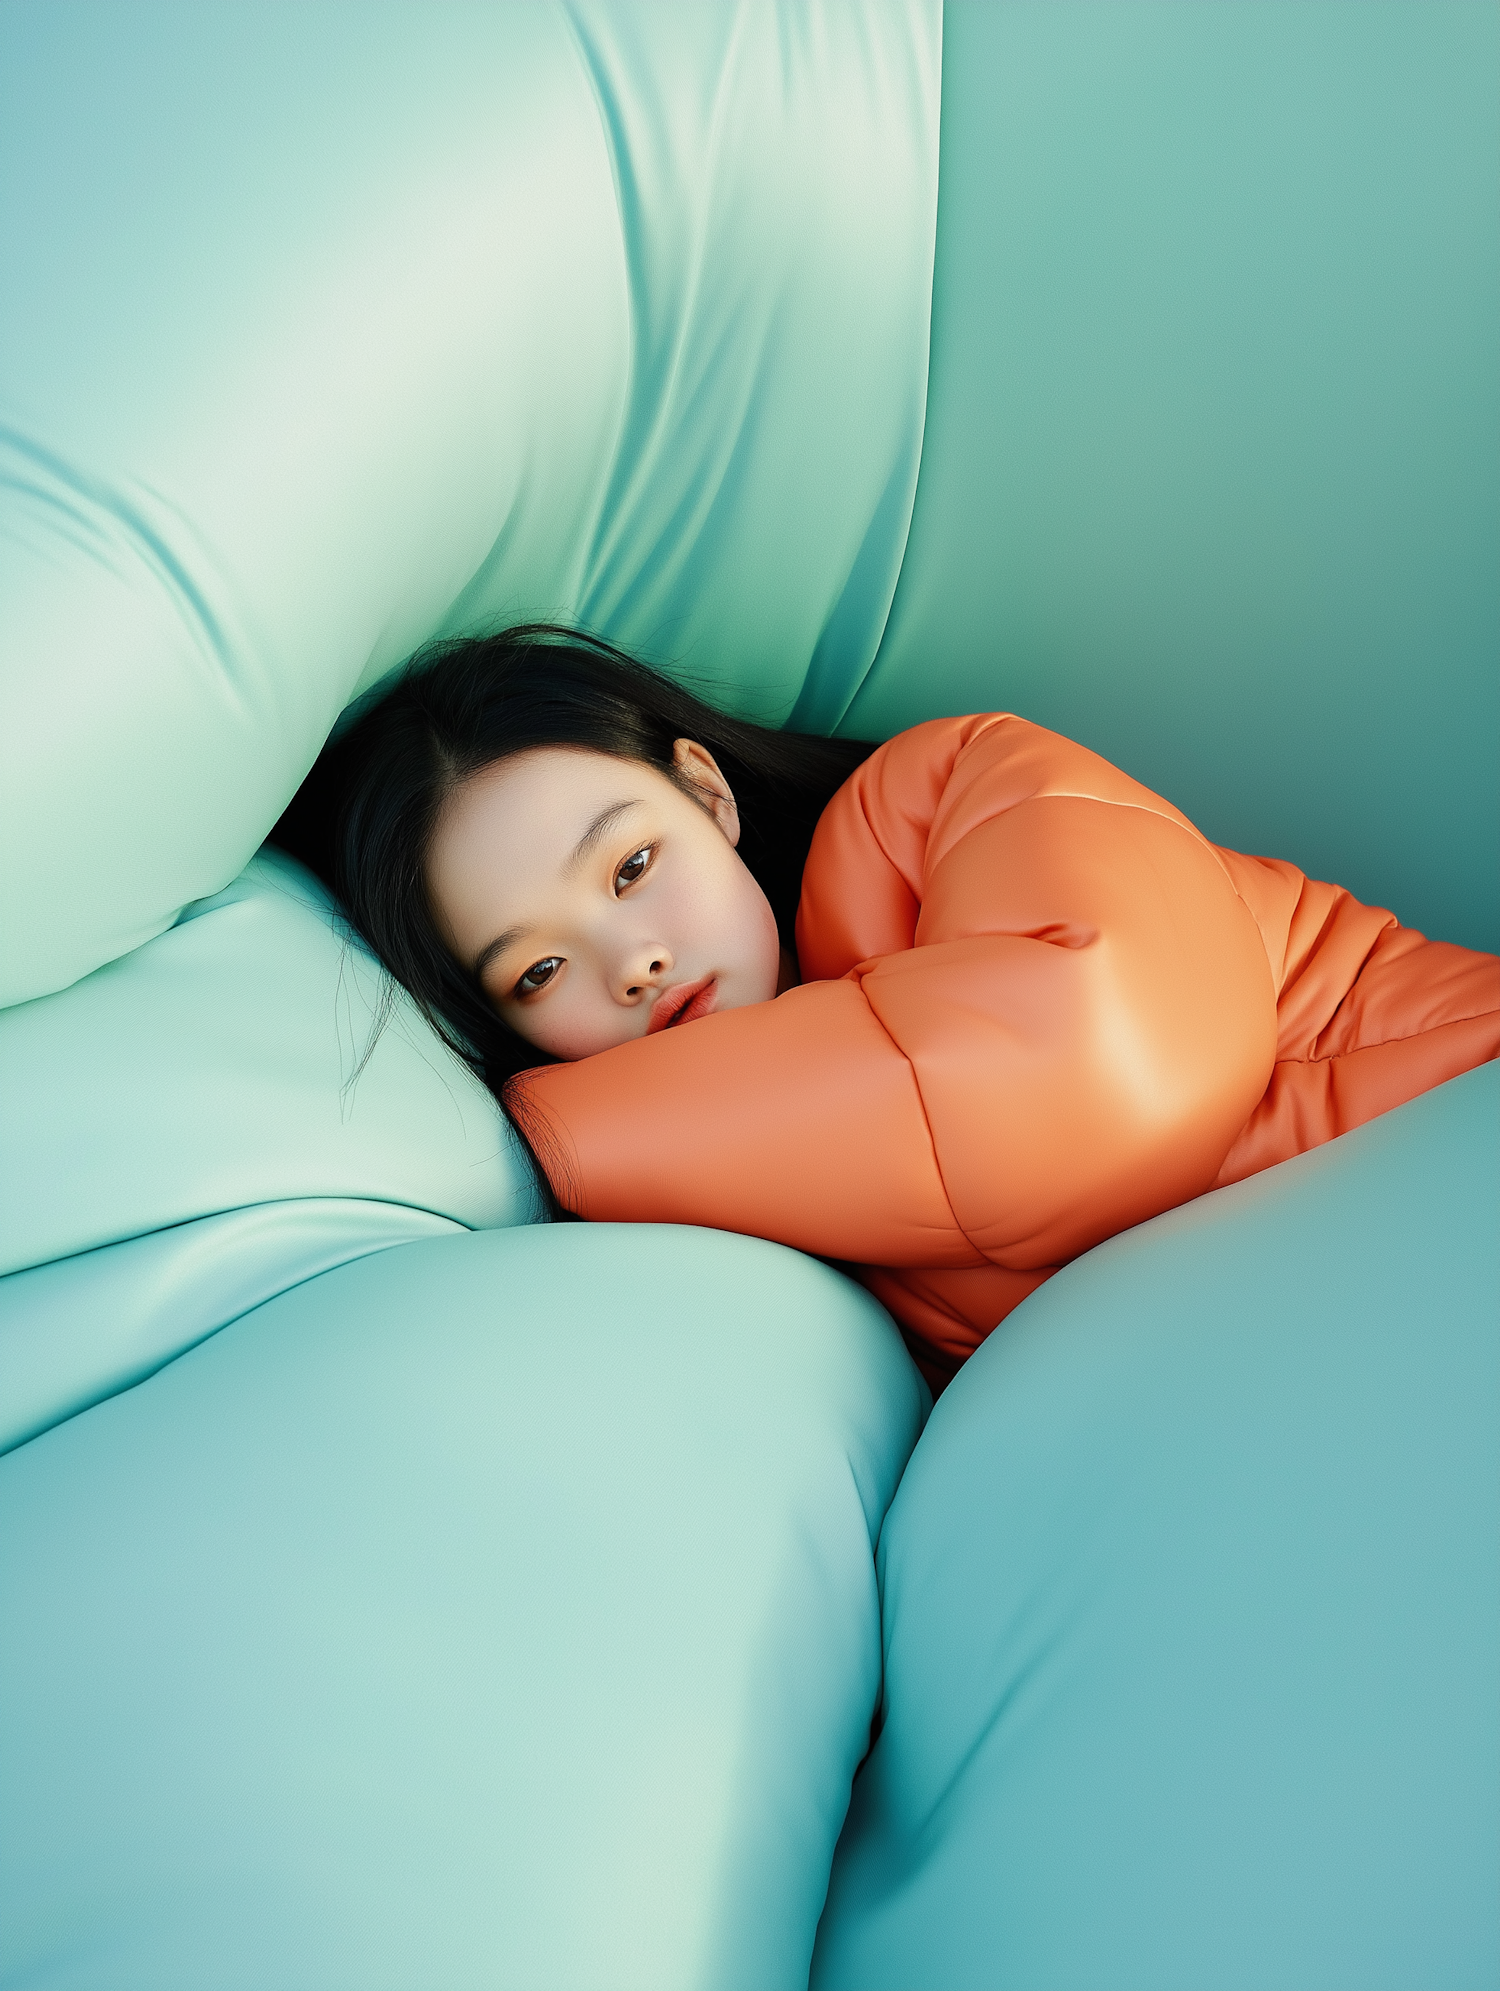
(498, 1609)
(395, 1590)
(1212, 452)
(231, 1113)
(346, 331)
(1190, 1606)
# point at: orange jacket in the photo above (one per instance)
(1038, 1007)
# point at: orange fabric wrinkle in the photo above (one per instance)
(1039, 1007)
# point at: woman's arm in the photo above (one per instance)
(798, 1120)
(1083, 1024)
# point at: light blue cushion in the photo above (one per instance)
(219, 1066)
(82, 1328)
(447, 1622)
(1192, 1602)
(335, 331)
(198, 1126)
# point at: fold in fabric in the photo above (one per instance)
(82, 1329)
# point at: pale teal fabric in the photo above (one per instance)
(220, 1066)
(234, 1107)
(334, 329)
(81, 1329)
(1211, 478)
(498, 1610)
(1191, 1598)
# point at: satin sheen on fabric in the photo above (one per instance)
(192, 1130)
(475, 315)
(233, 1061)
(466, 1616)
(1190, 1605)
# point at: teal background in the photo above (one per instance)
(1191, 1602)
(1211, 472)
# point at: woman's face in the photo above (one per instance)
(596, 901)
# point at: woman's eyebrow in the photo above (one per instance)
(605, 820)
(498, 946)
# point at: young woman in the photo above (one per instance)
(948, 1011)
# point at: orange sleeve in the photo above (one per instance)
(797, 1120)
(1057, 1016)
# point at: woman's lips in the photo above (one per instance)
(683, 1004)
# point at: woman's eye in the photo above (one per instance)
(634, 868)
(538, 975)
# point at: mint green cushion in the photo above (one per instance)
(500, 1609)
(83, 1328)
(1192, 1604)
(219, 1066)
(337, 330)
(1211, 477)
(196, 1127)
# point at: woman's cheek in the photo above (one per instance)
(586, 1025)
(756, 944)
(543, 1027)
(562, 1035)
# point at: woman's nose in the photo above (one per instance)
(644, 969)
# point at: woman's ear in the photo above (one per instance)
(697, 767)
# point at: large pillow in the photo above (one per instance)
(1191, 1615)
(498, 1610)
(338, 328)
(200, 1125)
(223, 1064)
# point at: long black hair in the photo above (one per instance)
(364, 818)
